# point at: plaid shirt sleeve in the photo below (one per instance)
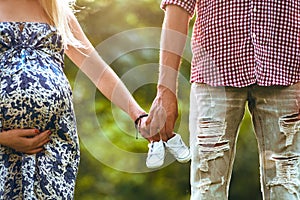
(188, 5)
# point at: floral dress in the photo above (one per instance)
(35, 93)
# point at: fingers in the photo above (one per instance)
(158, 119)
(162, 124)
(37, 143)
(145, 131)
(27, 140)
(34, 138)
(169, 127)
(42, 138)
(163, 114)
(143, 128)
(25, 132)
(155, 137)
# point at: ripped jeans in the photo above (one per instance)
(215, 116)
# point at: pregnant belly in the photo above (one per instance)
(32, 99)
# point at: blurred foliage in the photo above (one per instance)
(108, 135)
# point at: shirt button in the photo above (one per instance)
(254, 35)
(254, 9)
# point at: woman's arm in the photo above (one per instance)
(105, 79)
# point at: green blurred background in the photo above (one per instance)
(126, 35)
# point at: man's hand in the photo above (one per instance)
(28, 141)
(163, 114)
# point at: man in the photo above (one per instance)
(244, 52)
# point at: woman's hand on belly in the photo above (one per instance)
(28, 141)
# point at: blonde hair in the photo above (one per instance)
(58, 12)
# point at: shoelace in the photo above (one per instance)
(152, 153)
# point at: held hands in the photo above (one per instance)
(162, 117)
(28, 141)
(144, 130)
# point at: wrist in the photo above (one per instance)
(137, 123)
(168, 78)
(135, 111)
(162, 90)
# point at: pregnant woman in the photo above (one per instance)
(39, 148)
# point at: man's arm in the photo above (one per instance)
(164, 110)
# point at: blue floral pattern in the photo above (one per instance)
(35, 93)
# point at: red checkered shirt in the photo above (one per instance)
(242, 42)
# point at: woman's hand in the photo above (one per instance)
(28, 141)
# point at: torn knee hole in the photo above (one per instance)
(219, 144)
(287, 171)
(289, 125)
(205, 183)
(211, 144)
(211, 133)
